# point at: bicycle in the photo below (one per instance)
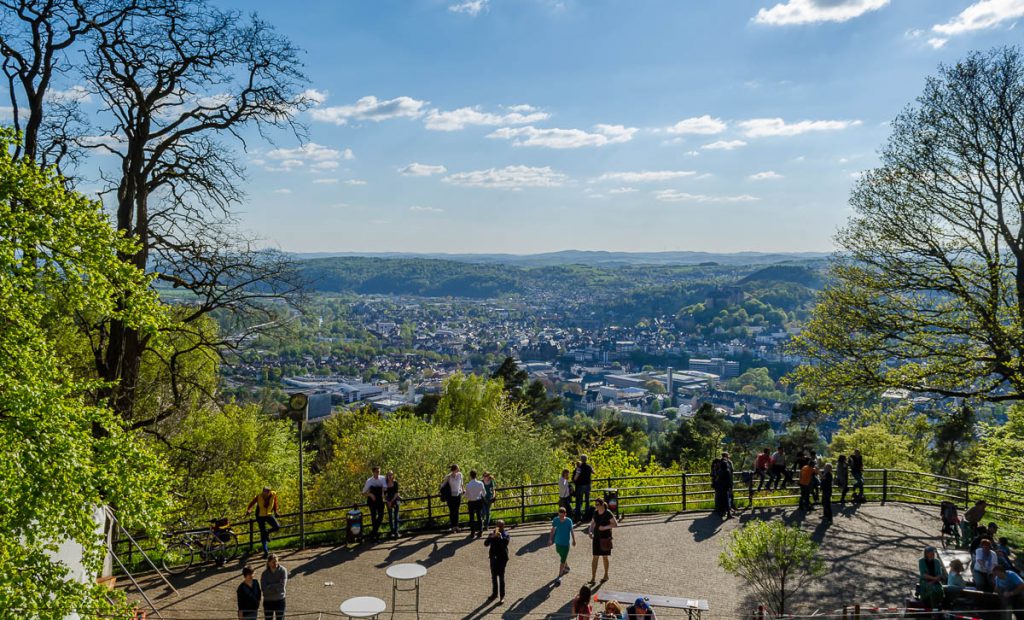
(218, 542)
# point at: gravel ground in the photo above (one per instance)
(871, 550)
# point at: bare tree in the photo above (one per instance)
(927, 292)
(175, 80)
(36, 37)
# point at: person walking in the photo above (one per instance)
(581, 609)
(601, 526)
(392, 500)
(373, 489)
(842, 477)
(562, 535)
(249, 595)
(582, 478)
(826, 494)
(452, 491)
(475, 493)
(274, 583)
(485, 510)
(857, 471)
(497, 553)
(266, 516)
(565, 490)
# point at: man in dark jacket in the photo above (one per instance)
(497, 552)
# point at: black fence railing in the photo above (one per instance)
(636, 494)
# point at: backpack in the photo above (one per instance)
(949, 514)
(446, 490)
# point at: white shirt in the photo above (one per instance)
(455, 483)
(374, 481)
(475, 490)
(563, 487)
(984, 562)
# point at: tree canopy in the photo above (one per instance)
(927, 290)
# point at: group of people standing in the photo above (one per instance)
(479, 496)
(270, 590)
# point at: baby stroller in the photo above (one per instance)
(950, 524)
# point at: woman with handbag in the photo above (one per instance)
(452, 490)
(601, 525)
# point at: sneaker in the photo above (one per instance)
(567, 569)
(558, 581)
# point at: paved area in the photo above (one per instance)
(872, 551)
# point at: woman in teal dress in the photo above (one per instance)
(932, 577)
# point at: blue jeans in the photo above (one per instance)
(265, 532)
(858, 484)
(582, 499)
(393, 518)
(485, 513)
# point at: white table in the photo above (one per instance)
(363, 607)
(406, 572)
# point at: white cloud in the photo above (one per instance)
(454, 120)
(355, 182)
(422, 170)
(764, 127)
(981, 15)
(325, 181)
(692, 153)
(554, 138)
(314, 96)
(421, 209)
(312, 155)
(74, 93)
(370, 109)
(509, 177)
(645, 176)
(469, 7)
(623, 190)
(724, 145)
(282, 191)
(702, 125)
(816, 11)
(767, 175)
(348, 155)
(671, 195)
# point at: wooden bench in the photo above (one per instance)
(692, 606)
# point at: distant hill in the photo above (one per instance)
(796, 274)
(593, 257)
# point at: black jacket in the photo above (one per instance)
(497, 547)
(249, 598)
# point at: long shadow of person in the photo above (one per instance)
(705, 527)
(402, 550)
(536, 544)
(524, 606)
(442, 552)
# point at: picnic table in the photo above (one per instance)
(692, 606)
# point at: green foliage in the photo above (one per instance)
(64, 456)
(580, 434)
(883, 446)
(774, 560)
(695, 441)
(221, 459)
(999, 453)
(469, 401)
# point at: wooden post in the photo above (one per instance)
(750, 491)
(251, 544)
(845, 616)
(885, 485)
(856, 612)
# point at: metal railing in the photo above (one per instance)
(636, 494)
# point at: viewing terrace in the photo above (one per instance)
(871, 551)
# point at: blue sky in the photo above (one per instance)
(644, 125)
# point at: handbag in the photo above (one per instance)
(606, 543)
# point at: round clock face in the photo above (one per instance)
(298, 402)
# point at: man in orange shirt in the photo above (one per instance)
(266, 514)
(806, 479)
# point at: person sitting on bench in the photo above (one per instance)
(640, 610)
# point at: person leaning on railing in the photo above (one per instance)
(266, 515)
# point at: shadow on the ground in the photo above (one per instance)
(441, 552)
(408, 547)
(706, 526)
(539, 542)
(524, 606)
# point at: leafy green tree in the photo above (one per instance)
(695, 441)
(774, 559)
(746, 440)
(512, 376)
(927, 291)
(222, 458)
(954, 434)
(880, 447)
(65, 456)
(468, 400)
(997, 456)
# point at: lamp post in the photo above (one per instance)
(298, 408)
